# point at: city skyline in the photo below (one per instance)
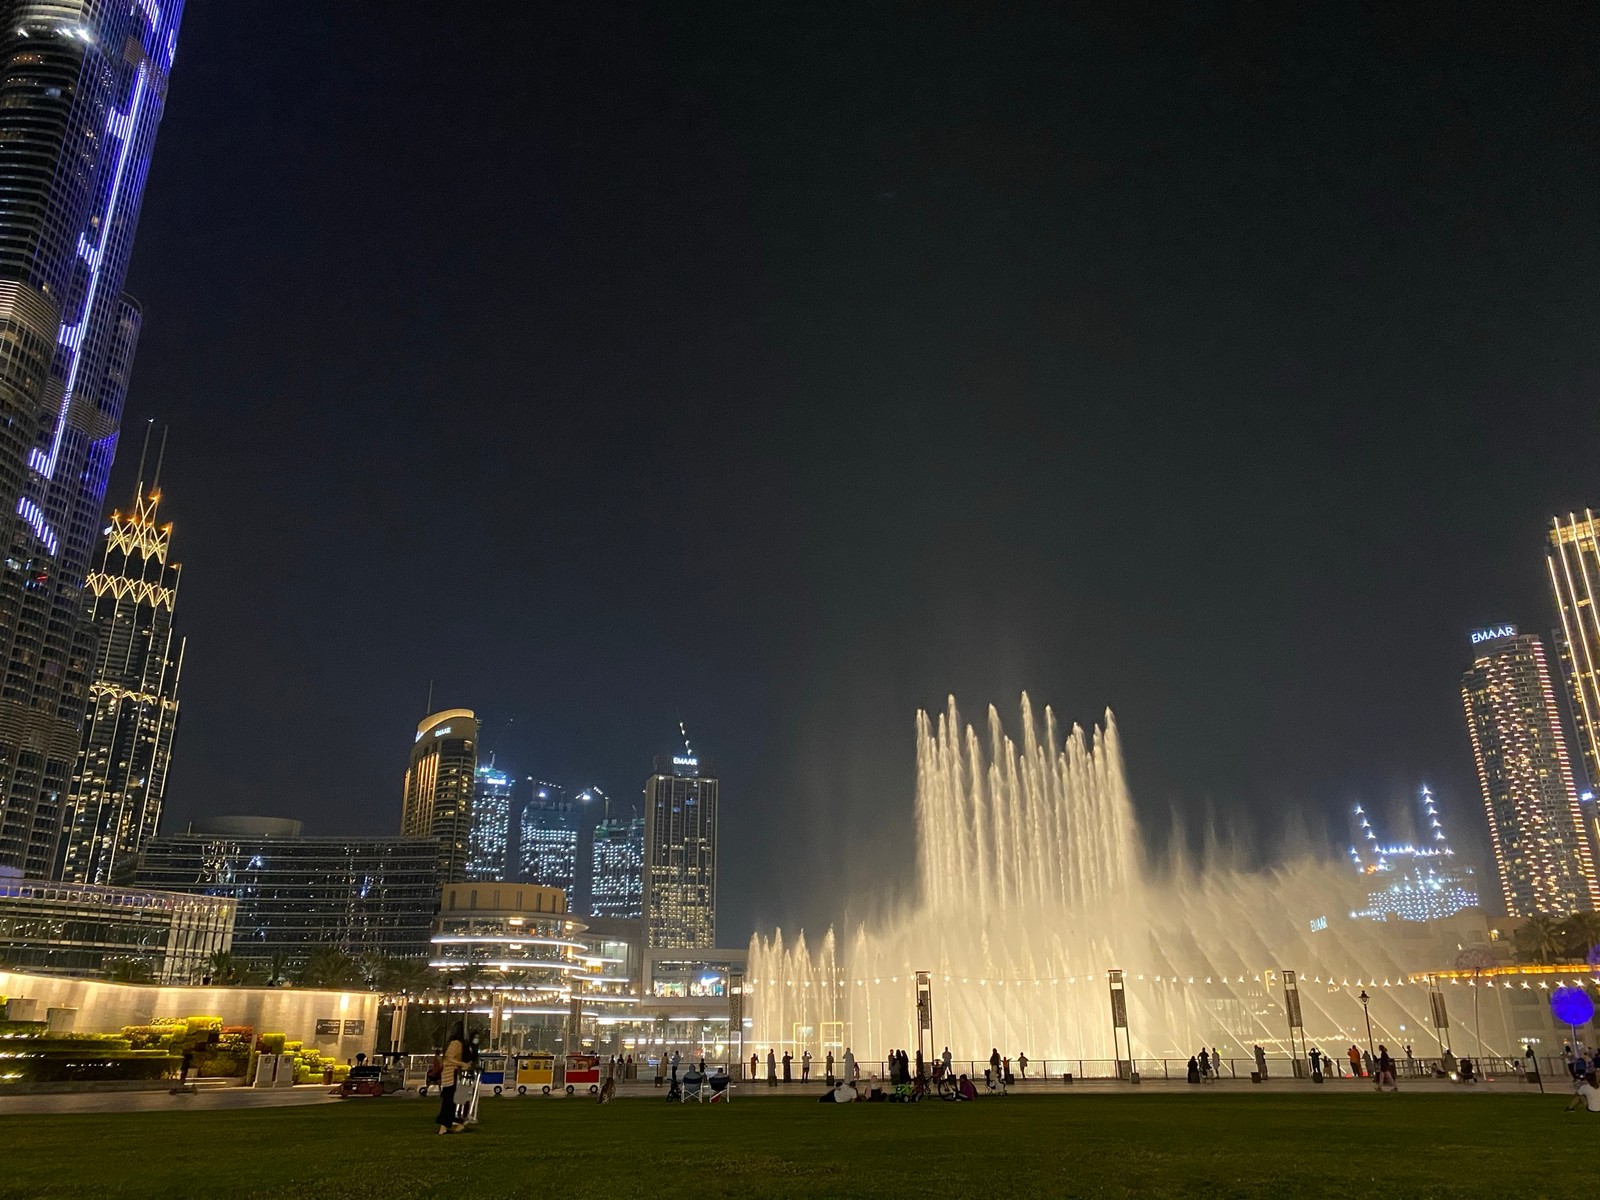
(1045, 356)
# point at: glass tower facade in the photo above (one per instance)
(115, 799)
(291, 894)
(82, 88)
(617, 869)
(1574, 561)
(1540, 849)
(438, 789)
(679, 893)
(491, 824)
(549, 837)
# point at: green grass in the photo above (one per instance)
(1162, 1144)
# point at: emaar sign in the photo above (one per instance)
(1489, 635)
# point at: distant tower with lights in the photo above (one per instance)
(440, 780)
(1573, 558)
(491, 822)
(548, 845)
(679, 885)
(114, 802)
(1412, 881)
(1541, 852)
(617, 869)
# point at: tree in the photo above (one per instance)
(275, 970)
(330, 967)
(1580, 933)
(225, 969)
(405, 977)
(128, 970)
(1540, 939)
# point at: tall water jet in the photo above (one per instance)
(1034, 882)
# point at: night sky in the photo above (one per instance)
(784, 368)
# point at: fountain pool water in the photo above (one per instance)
(1034, 882)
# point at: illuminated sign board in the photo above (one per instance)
(441, 732)
(679, 760)
(1489, 635)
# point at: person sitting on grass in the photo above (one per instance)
(1588, 1094)
(965, 1090)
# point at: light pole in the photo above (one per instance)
(1365, 1012)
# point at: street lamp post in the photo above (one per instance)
(1365, 1012)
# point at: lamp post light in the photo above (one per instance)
(1364, 998)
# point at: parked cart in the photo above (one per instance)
(492, 1072)
(536, 1071)
(582, 1070)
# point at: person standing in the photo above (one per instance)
(1261, 1063)
(1316, 1063)
(920, 1064)
(829, 1065)
(772, 1068)
(805, 1066)
(453, 1061)
(1022, 1065)
(675, 1061)
(850, 1071)
(1355, 1061)
(787, 1059)
(1386, 1071)
(1216, 1061)
(947, 1060)
(994, 1064)
(1205, 1064)
(755, 1071)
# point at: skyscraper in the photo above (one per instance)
(617, 868)
(1574, 561)
(491, 823)
(82, 87)
(680, 854)
(549, 837)
(439, 785)
(1413, 880)
(1540, 849)
(115, 799)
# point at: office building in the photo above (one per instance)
(616, 880)
(121, 777)
(82, 87)
(1416, 879)
(439, 785)
(491, 824)
(548, 844)
(679, 893)
(1541, 852)
(363, 895)
(130, 933)
(1573, 559)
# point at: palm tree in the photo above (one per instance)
(1580, 933)
(1540, 938)
(330, 967)
(225, 969)
(406, 977)
(128, 970)
(276, 969)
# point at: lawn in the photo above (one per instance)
(1253, 1144)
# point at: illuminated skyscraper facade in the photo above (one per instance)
(1414, 880)
(1541, 851)
(680, 854)
(82, 87)
(616, 879)
(115, 799)
(1574, 561)
(491, 823)
(439, 784)
(549, 837)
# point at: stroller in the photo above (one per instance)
(993, 1083)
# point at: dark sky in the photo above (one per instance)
(784, 368)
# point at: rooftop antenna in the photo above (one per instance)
(503, 731)
(161, 457)
(426, 711)
(149, 424)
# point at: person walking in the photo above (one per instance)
(1261, 1062)
(772, 1068)
(450, 1065)
(828, 1063)
(805, 1066)
(1386, 1080)
(787, 1059)
(1022, 1065)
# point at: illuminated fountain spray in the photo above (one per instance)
(1034, 882)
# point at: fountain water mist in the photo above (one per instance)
(1034, 882)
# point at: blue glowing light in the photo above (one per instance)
(1571, 1005)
